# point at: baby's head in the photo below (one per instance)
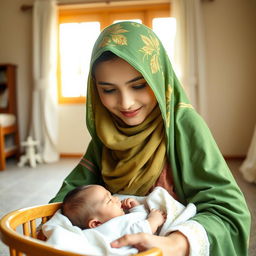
(90, 206)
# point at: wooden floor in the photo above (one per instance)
(24, 187)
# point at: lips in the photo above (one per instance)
(131, 113)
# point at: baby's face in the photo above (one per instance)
(106, 205)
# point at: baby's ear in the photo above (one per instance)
(93, 223)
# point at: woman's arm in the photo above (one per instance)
(202, 177)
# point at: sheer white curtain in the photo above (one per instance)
(189, 56)
(44, 106)
(248, 168)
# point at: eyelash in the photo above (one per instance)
(135, 87)
(108, 90)
(110, 199)
(140, 86)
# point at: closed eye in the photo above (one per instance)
(108, 90)
(109, 197)
(140, 86)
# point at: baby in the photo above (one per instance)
(91, 206)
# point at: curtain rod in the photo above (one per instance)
(26, 7)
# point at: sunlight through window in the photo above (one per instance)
(76, 43)
(80, 27)
(165, 28)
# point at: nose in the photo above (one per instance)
(126, 100)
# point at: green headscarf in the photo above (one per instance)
(132, 157)
(140, 47)
(200, 174)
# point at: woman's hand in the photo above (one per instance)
(176, 244)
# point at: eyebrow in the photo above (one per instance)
(135, 79)
(128, 82)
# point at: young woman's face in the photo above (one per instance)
(124, 91)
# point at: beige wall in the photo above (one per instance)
(231, 64)
(74, 136)
(230, 27)
(15, 47)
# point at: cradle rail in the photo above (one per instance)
(29, 243)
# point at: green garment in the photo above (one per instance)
(199, 171)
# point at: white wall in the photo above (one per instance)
(73, 134)
(231, 64)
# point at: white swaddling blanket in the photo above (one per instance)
(96, 242)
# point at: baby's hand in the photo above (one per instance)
(156, 218)
(129, 203)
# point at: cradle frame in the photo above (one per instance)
(30, 243)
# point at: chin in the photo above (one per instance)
(133, 122)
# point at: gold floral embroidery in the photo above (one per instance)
(168, 101)
(119, 39)
(154, 64)
(90, 112)
(184, 105)
(115, 36)
(168, 94)
(151, 48)
(136, 24)
(106, 40)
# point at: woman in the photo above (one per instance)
(145, 133)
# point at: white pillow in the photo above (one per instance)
(7, 119)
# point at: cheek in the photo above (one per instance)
(151, 95)
(149, 98)
(107, 101)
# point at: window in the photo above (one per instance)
(78, 30)
(75, 49)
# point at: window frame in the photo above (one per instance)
(106, 15)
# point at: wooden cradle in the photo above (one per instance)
(28, 242)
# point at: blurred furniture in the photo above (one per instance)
(28, 241)
(248, 168)
(31, 156)
(9, 132)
